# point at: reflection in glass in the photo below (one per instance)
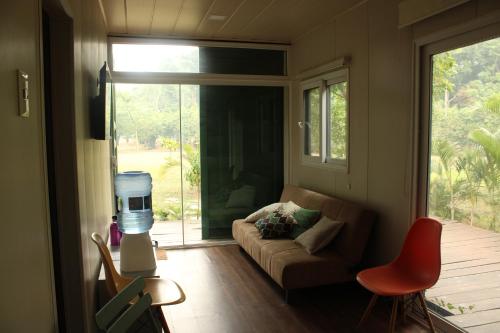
(241, 153)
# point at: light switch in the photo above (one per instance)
(23, 93)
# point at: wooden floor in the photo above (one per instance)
(227, 292)
(470, 277)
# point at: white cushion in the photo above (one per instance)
(285, 209)
(263, 212)
(289, 208)
(319, 235)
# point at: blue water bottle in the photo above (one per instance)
(133, 190)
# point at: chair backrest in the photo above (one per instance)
(114, 280)
(120, 314)
(421, 253)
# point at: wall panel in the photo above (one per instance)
(27, 302)
(93, 167)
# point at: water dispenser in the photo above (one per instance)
(135, 219)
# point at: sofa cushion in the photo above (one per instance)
(263, 212)
(289, 208)
(305, 218)
(295, 268)
(275, 226)
(249, 238)
(319, 235)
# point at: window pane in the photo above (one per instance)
(224, 60)
(313, 123)
(338, 120)
(156, 58)
(194, 59)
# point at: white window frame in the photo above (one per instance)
(312, 84)
(323, 82)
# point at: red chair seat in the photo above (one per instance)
(389, 280)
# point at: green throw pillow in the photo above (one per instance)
(305, 219)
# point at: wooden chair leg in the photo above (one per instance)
(403, 309)
(394, 314)
(426, 311)
(368, 309)
(163, 321)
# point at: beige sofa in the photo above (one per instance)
(289, 264)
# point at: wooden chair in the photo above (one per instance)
(162, 291)
(129, 309)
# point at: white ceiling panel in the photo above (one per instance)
(115, 15)
(252, 20)
(192, 13)
(222, 9)
(243, 16)
(139, 16)
(165, 16)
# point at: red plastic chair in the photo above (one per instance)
(417, 268)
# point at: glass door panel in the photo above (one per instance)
(148, 137)
(241, 153)
(463, 183)
(215, 154)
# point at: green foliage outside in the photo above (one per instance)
(337, 115)
(338, 121)
(465, 161)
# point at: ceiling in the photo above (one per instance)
(247, 20)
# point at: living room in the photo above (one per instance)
(378, 53)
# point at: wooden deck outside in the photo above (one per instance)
(469, 286)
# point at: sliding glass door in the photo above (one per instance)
(463, 176)
(213, 145)
(158, 132)
(215, 153)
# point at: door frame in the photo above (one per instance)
(61, 161)
(424, 48)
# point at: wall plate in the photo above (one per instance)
(23, 93)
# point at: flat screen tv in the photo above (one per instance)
(101, 111)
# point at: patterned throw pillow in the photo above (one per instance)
(275, 226)
(304, 219)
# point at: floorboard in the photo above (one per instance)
(227, 292)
